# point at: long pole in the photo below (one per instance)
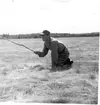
(19, 44)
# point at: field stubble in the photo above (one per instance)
(24, 77)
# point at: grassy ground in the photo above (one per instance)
(24, 77)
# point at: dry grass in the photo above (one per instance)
(24, 77)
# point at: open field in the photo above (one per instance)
(24, 77)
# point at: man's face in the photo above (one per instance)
(45, 38)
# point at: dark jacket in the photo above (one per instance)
(59, 53)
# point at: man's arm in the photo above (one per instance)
(43, 53)
(54, 54)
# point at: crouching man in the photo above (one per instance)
(59, 53)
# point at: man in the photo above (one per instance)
(59, 53)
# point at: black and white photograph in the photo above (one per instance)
(49, 51)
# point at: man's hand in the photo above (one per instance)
(37, 52)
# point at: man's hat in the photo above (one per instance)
(45, 32)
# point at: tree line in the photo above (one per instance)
(35, 35)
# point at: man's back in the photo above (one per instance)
(56, 44)
(59, 53)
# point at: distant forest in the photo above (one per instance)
(36, 35)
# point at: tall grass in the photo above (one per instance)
(24, 77)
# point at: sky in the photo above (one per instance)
(57, 16)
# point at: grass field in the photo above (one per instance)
(24, 77)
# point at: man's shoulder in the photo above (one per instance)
(53, 40)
